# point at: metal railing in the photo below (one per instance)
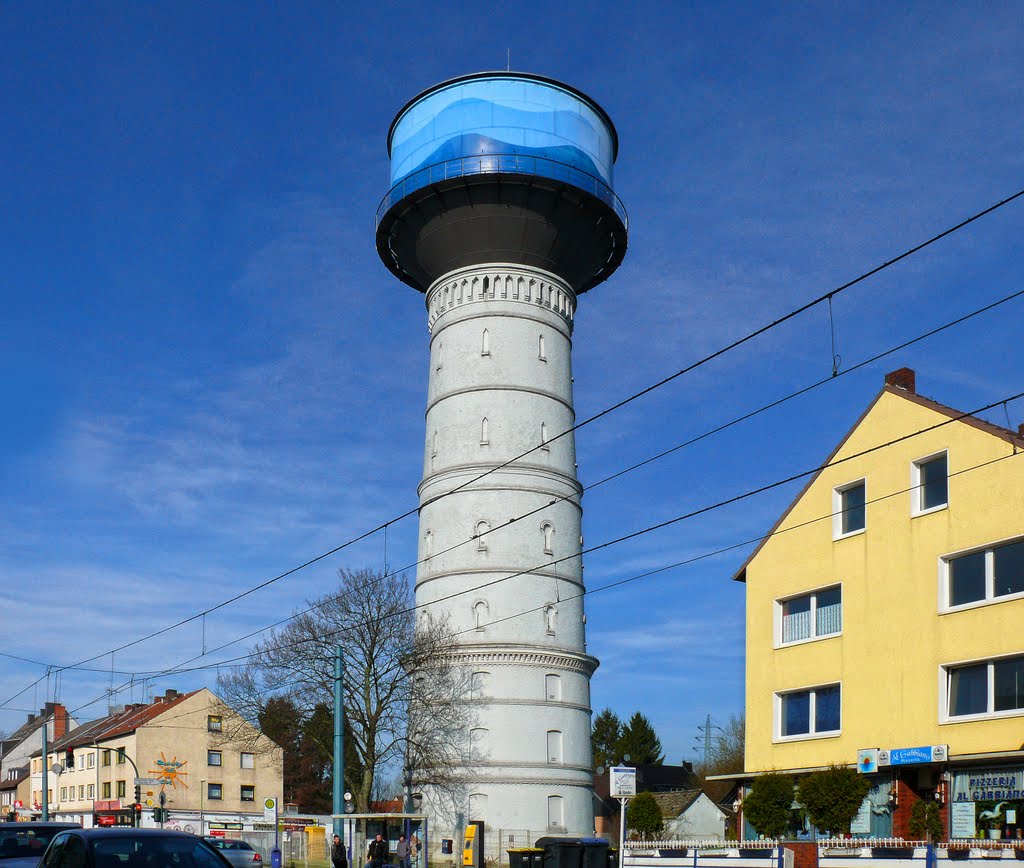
(496, 164)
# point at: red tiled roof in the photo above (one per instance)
(119, 723)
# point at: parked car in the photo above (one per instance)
(239, 853)
(125, 847)
(22, 844)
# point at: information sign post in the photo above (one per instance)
(622, 786)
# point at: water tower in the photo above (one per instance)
(501, 211)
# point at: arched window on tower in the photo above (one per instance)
(541, 353)
(477, 742)
(554, 746)
(548, 533)
(550, 618)
(478, 684)
(437, 357)
(433, 451)
(480, 614)
(428, 544)
(485, 343)
(477, 804)
(544, 437)
(553, 688)
(482, 527)
(556, 820)
(484, 433)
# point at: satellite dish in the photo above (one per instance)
(56, 769)
(599, 770)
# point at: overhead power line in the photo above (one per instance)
(827, 296)
(617, 583)
(763, 408)
(650, 529)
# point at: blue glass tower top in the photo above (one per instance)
(502, 114)
(538, 148)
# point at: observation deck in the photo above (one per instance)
(502, 167)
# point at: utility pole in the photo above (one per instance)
(707, 730)
(46, 780)
(338, 803)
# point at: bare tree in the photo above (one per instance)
(401, 678)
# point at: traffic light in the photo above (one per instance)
(69, 758)
(137, 815)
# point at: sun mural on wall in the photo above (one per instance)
(170, 772)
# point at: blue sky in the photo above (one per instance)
(209, 377)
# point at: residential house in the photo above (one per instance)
(884, 613)
(211, 768)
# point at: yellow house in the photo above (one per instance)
(212, 769)
(885, 618)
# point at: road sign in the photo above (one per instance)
(148, 782)
(270, 810)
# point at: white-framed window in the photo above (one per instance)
(849, 509)
(247, 760)
(983, 688)
(213, 758)
(92, 791)
(986, 575)
(929, 484)
(90, 760)
(63, 794)
(815, 615)
(813, 712)
(81, 792)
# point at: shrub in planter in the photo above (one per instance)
(925, 820)
(832, 797)
(768, 805)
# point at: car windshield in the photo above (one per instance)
(27, 841)
(153, 852)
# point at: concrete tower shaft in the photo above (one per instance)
(502, 211)
(501, 386)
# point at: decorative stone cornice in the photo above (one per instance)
(567, 661)
(500, 282)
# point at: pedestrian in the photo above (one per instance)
(403, 852)
(339, 859)
(377, 852)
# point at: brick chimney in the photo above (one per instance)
(60, 721)
(902, 378)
